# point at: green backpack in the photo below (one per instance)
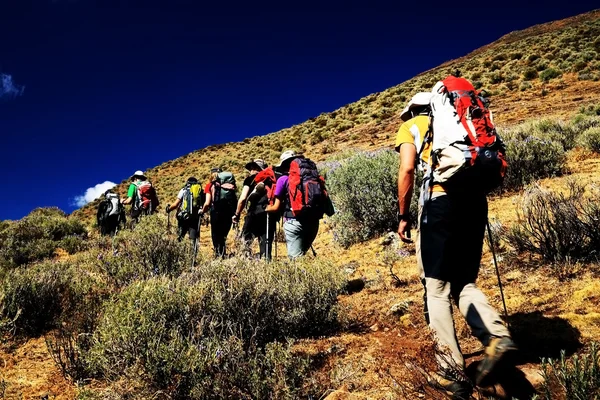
(223, 190)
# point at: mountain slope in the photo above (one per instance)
(551, 68)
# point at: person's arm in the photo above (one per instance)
(207, 203)
(130, 194)
(271, 208)
(241, 203)
(173, 206)
(406, 179)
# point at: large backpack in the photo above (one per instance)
(306, 189)
(146, 198)
(268, 177)
(192, 202)
(466, 149)
(223, 190)
(110, 207)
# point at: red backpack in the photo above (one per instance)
(466, 149)
(307, 192)
(146, 198)
(268, 177)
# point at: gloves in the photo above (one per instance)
(168, 209)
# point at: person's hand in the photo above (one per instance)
(168, 209)
(404, 231)
(235, 219)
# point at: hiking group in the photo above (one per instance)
(292, 191)
(449, 135)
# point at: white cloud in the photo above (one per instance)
(93, 193)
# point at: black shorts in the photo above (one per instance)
(189, 226)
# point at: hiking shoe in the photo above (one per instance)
(457, 390)
(495, 354)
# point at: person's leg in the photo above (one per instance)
(293, 238)
(436, 230)
(247, 235)
(272, 232)
(420, 266)
(310, 230)
(441, 322)
(226, 222)
(215, 233)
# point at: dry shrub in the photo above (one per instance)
(559, 227)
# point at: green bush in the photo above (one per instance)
(144, 252)
(215, 332)
(531, 157)
(590, 139)
(35, 298)
(38, 235)
(364, 190)
(529, 74)
(559, 227)
(549, 73)
(577, 379)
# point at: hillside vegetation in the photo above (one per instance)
(549, 69)
(89, 317)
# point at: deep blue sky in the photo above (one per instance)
(114, 86)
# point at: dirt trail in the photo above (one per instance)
(28, 372)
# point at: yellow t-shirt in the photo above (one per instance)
(413, 131)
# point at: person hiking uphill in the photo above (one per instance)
(452, 221)
(190, 200)
(255, 223)
(111, 214)
(142, 197)
(221, 199)
(300, 194)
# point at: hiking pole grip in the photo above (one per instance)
(492, 246)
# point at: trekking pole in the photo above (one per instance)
(497, 270)
(168, 222)
(197, 241)
(313, 250)
(275, 240)
(267, 254)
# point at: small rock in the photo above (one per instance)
(374, 328)
(351, 267)
(400, 308)
(355, 285)
(390, 239)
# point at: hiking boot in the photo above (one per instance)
(495, 354)
(457, 390)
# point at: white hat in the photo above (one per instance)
(420, 99)
(139, 174)
(286, 156)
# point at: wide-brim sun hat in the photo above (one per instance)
(419, 100)
(286, 157)
(139, 174)
(256, 164)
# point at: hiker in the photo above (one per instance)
(111, 214)
(451, 224)
(190, 200)
(301, 197)
(221, 199)
(255, 224)
(142, 197)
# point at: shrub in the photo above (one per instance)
(558, 227)
(144, 252)
(577, 379)
(549, 73)
(590, 139)
(363, 188)
(36, 297)
(216, 332)
(531, 158)
(37, 236)
(529, 74)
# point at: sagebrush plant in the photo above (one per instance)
(559, 227)
(590, 139)
(38, 235)
(213, 332)
(38, 297)
(574, 379)
(363, 188)
(146, 251)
